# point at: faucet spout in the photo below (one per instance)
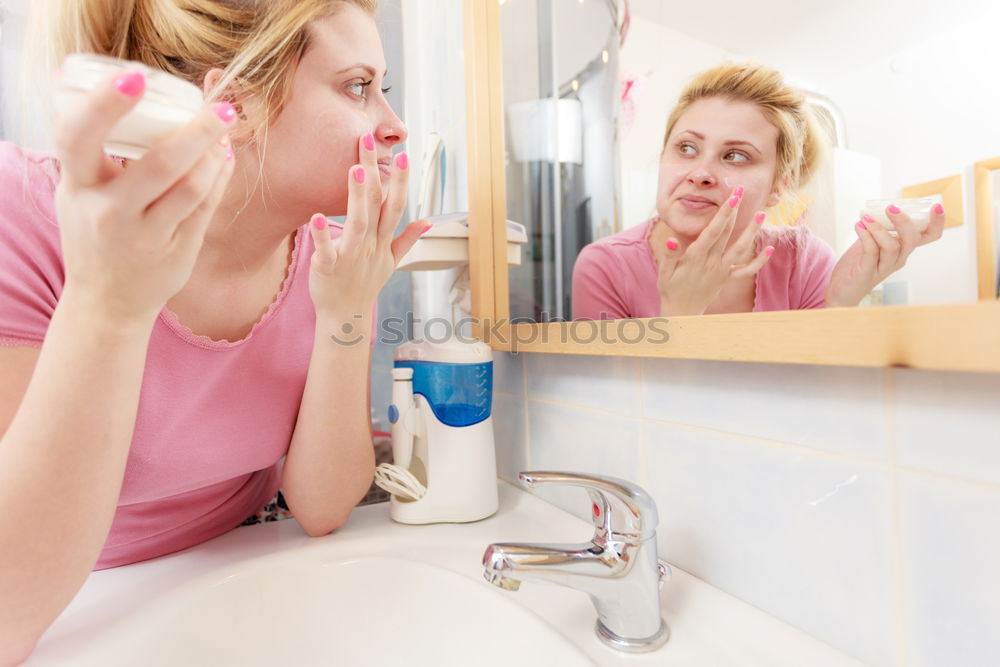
(618, 569)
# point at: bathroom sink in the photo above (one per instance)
(380, 593)
(364, 611)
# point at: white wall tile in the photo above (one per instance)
(508, 373)
(948, 423)
(584, 441)
(805, 537)
(951, 546)
(836, 409)
(510, 434)
(605, 383)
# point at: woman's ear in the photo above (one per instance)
(233, 95)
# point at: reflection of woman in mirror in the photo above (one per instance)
(738, 140)
(169, 327)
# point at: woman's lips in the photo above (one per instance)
(696, 203)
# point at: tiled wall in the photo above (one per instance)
(860, 505)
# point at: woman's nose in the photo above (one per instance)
(389, 129)
(701, 176)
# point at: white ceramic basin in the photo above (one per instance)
(367, 611)
(380, 593)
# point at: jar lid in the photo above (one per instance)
(86, 71)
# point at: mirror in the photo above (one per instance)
(588, 86)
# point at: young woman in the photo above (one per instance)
(169, 326)
(737, 141)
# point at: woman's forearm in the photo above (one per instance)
(331, 459)
(62, 461)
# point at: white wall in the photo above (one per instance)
(860, 505)
(930, 111)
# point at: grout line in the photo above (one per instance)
(527, 415)
(643, 448)
(896, 528)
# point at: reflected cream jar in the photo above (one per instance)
(167, 103)
(919, 211)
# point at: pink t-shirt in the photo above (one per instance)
(615, 277)
(214, 418)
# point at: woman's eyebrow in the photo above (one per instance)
(367, 68)
(731, 142)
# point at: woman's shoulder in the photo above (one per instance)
(41, 167)
(28, 182)
(636, 235)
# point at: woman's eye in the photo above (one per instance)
(686, 149)
(358, 88)
(735, 156)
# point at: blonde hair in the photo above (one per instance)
(801, 140)
(257, 43)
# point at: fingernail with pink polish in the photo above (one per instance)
(671, 244)
(319, 221)
(734, 201)
(769, 250)
(424, 230)
(895, 210)
(359, 174)
(738, 192)
(131, 84)
(759, 218)
(861, 225)
(402, 161)
(867, 218)
(369, 141)
(229, 153)
(225, 112)
(938, 209)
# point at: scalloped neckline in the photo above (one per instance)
(184, 332)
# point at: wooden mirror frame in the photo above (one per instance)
(963, 337)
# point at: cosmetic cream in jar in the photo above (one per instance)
(167, 103)
(919, 211)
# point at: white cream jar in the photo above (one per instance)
(919, 211)
(167, 103)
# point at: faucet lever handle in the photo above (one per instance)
(620, 507)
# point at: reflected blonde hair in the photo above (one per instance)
(801, 140)
(257, 43)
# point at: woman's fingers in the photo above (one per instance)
(411, 234)
(888, 246)
(368, 156)
(753, 267)
(905, 229)
(395, 202)
(715, 236)
(742, 250)
(171, 158)
(936, 226)
(80, 131)
(186, 195)
(870, 257)
(190, 233)
(326, 251)
(357, 221)
(668, 262)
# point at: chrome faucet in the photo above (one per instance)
(618, 568)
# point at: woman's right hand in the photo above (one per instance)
(130, 237)
(691, 279)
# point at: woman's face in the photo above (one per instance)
(715, 146)
(336, 97)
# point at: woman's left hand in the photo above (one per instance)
(348, 272)
(877, 254)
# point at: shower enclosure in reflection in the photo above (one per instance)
(561, 99)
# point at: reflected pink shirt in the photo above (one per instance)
(615, 277)
(214, 417)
